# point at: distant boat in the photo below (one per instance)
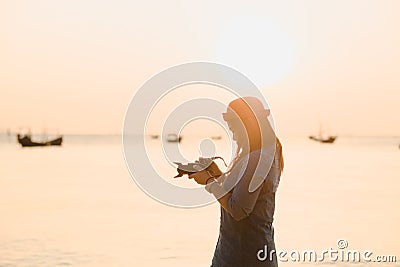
(154, 136)
(329, 139)
(216, 137)
(26, 141)
(173, 138)
(321, 138)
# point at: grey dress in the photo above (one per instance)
(246, 228)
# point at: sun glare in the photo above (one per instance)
(258, 48)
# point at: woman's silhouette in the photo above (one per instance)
(246, 192)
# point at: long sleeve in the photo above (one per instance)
(242, 200)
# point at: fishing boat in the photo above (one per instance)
(26, 141)
(173, 138)
(328, 139)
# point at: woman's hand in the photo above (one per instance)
(214, 170)
(201, 177)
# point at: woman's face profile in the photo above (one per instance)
(232, 129)
(237, 130)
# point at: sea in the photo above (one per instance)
(77, 205)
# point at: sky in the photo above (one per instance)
(74, 66)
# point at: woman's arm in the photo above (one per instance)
(233, 190)
(239, 202)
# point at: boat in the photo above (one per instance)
(26, 141)
(329, 139)
(216, 137)
(173, 138)
(154, 136)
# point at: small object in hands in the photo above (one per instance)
(197, 166)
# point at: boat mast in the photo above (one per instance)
(320, 130)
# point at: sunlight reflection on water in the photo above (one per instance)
(76, 205)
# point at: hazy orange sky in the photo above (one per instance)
(73, 66)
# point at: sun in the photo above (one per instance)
(258, 47)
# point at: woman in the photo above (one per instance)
(246, 192)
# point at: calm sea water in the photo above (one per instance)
(77, 205)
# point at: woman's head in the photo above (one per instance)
(248, 120)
